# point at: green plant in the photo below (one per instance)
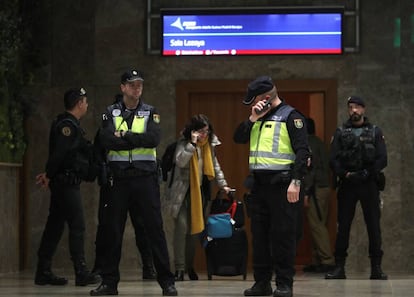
(14, 80)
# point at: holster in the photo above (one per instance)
(380, 179)
(67, 178)
(103, 174)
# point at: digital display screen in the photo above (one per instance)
(209, 32)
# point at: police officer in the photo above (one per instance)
(141, 237)
(67, 166)
(277, 161)
(358, 154)
(130, 132)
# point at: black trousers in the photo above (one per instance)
(141, 238)
(142, 196)
(368, 195)
(274, 226)
(65, 207)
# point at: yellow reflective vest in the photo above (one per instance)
(139, 125)
(270, 147)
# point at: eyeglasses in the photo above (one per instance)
(202, 131)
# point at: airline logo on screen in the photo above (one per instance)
(178, 24)
(189, 44)
(192, 25)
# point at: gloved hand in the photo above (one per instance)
(358, 176)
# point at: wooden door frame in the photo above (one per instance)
(326, 86)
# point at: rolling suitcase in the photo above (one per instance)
(228, 256)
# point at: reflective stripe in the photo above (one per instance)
(118, 158)
(272, 167)
(273, 155)
(270, 147)
(139, 125)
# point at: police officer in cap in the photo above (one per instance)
(130, 133)
(141, 237)
(358, 154)
(277, 160)
(67, 165)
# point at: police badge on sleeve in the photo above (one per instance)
(66, 131)
(156, 118)
(298, 123)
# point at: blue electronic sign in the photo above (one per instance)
(251, 33)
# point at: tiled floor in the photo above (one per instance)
(306, 285)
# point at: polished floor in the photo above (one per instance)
(306, 285)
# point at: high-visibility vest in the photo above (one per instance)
(270, 147)
(139, 125)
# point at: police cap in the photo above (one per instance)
(356, 100)
(131, 75)
(259, 86)
(72, 96)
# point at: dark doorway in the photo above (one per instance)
(221, 100)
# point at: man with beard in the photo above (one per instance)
(358, 154)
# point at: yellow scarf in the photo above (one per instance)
(197, 217)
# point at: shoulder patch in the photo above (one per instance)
(298, 123)
(156, 118)
(66, 131)
(116, 112)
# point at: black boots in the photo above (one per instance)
(338, 272)
(169, 290)
(260, 288)
(104, 290)
(283, 290)
(82, 275)
(377, 273)
(45, 276)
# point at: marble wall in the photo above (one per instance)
(89, 43)
(9, 216)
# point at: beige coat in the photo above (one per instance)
(181, 180)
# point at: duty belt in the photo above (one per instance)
(273, 177)
(67, 178)
(130, 173)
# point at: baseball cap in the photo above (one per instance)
(356, 100)
(131, 75)
(259, 86)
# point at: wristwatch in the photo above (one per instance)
(296, 182)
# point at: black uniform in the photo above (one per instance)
(67, 166)
(274, 221)
(360, 151)
(141, 237)
(133, 186)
